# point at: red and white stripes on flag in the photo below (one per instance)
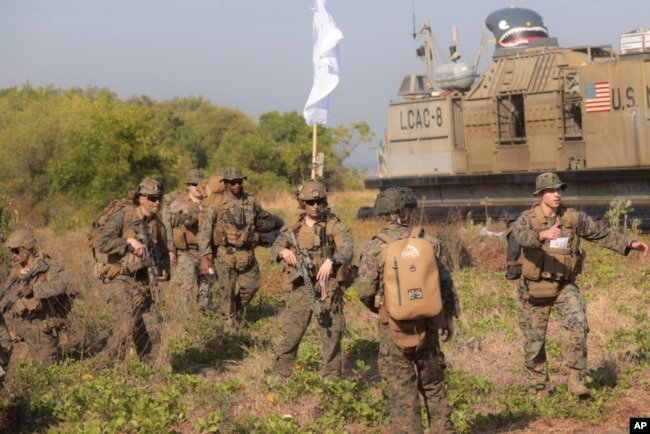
(597, 97)
(326, 64)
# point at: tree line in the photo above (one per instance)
(66, 153)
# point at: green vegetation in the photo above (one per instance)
(66, 153)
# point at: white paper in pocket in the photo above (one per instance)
(560, 243)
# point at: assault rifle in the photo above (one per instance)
(11, 291)
(302, 267)
(153, 262)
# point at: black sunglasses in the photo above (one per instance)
(312, 202)
(235, 181)
(15, 251)
(154, 198)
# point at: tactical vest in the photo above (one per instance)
(315, 239)
(554, 263)
(235, 222)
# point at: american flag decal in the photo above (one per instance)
(597, 97)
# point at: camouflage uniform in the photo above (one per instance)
(298, 313)
(229, 236)
(182, 227)
(35, 319)
(5, 346)
(570, 305)
(410, 375)
(129, 295)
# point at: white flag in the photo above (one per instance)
(326, 64)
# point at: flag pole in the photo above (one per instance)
(314, 151)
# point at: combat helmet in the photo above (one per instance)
(22, 238)
(394, 199)
(194, 176)
(150, 186)
(233, 172)
(310, 190)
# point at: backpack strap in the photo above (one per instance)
(384, 237)
(417, 232)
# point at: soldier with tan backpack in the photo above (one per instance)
(402, 278)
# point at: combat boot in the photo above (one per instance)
(575, 384)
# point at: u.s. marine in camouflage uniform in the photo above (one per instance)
(550, 234)
(330, 248)
(129, 291)
(35, 317)
(181, 220)
(416, 374)
(228, 234)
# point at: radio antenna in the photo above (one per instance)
(414, 32)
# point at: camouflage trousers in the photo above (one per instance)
(533, 321)
(33, 341)
(248, 279)
(295, 320)
(131, 316)
(411, 377)
(185, 275)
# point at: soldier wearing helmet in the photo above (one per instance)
(34, 300)
(181, 218)
(135, 242)
(419, 372)
(228, 235)
(549, 235)
(330, 248)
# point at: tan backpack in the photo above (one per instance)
(411, 278)
(100, 222)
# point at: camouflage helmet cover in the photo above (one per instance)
(22, 238)
(150, 186)
(311, 190)
(188, 216)
(233, 172)
(548, 180)
(394, 199)
(194, 176)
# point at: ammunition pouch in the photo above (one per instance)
(409, 336)
(103, 271)
(131, 263)
(239, 260)
(178, 235)
(541, 290)
(532, 262)
(289, 277)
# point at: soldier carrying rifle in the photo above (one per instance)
(135, 244)
(315, 247)
(34, 301)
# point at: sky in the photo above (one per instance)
(256, 55)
